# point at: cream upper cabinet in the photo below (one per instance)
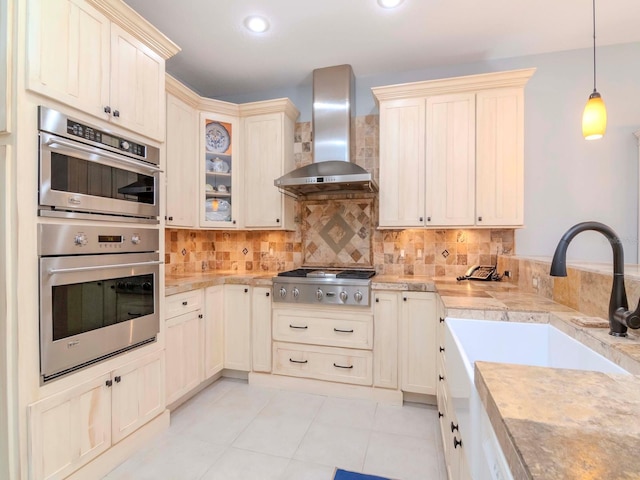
(80, 54)
(467, 169)
(268, 154)
(450, 160)
(221, 172)
(418, 331)
(402, 174)
(5, 48)
(500, 157)
(237, 327)
(181, 164)
(137, 100)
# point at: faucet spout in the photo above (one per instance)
(618, 306)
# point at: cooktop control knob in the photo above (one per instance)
(358, 296)
(80, 239)
(295, 292)
(135, 239)
(343, 296)
(319, 295)
(283, 292)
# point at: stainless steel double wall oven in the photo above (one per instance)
(99, 281)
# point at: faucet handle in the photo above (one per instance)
(627, 318)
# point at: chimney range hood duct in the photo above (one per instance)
(332, 170)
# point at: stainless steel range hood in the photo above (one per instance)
(332, 170)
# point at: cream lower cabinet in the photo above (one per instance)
(214, 330)
(261, 329)
(451, 151)
(385, 343)
(71, 428)
(237, 327)
(418, 342)
(79, 56)
(183, 345)
(268, 129)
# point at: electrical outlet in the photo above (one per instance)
(534, 282)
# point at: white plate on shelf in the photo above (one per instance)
(217, 138)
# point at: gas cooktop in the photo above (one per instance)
(328, 273)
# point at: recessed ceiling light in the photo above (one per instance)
(256, 24)
(389, 3)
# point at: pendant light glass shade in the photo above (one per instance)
(594, 118)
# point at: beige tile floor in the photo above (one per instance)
(233, 430)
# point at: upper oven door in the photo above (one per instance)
(75, 177)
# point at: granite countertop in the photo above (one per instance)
(546, 434)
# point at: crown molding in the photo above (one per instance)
(127, 18)
(278, 105)
(511, 78)
(179, 90)
(218, 106)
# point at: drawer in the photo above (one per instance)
(323, 363)
(183, 303)
(335, 330)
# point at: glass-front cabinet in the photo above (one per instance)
(220, 167)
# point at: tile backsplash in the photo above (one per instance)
(337, 231)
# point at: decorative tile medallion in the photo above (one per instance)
(337, 232)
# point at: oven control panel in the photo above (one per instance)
(56, 239)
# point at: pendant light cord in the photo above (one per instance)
(594, 46)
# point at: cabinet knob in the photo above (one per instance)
(440, 377)
(107, 109)
(185, 303)
(456, 443)
(442, 349)
(277, 220)
(377, 300)
(170, 219)
(117, 378)
(108, 383)
(246, 290)
(421, 219)
(404, 299)
(233, 221)
(440, 414)
(267, 294)
(116, 113)
(454, 427)
(200, 316)
(479, 219)
(441, 320)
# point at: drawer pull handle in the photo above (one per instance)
(298, 327)
(298, 361)
(440, 414)
(342, 366)
(441, 320)
(456, 443)
(442, 349)
(343, 331)
(185, 303)
(440, 377)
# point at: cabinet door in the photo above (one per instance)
(402, 154)
(214, 330)
(450, 160)
(237, 327)
(261, 329)
(182, 156)
(264, 150)
(137, 97)
(183, 354)
(418, 342)
(69, 429)
(5, 46)
(138, 394)
(220, 167)
(68, 44)
(500, 157)
(385, 343)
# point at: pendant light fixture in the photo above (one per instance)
(594, 117)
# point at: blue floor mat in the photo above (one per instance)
(344, 475)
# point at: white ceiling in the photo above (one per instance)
(220, 58)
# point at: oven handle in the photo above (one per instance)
(53, 271)
(102, 153)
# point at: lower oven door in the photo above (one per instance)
(95, 306)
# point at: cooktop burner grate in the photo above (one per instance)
(328, 273)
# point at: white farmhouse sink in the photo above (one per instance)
(467, 341)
